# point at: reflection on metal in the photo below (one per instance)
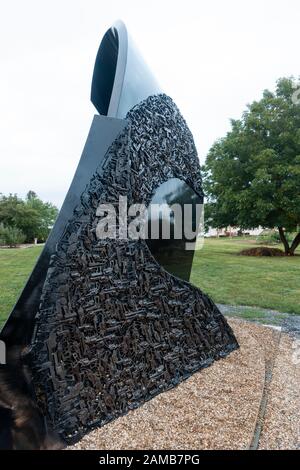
(121, 78)
(101, 325)
(171, 248)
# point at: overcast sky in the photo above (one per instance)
(212, 57)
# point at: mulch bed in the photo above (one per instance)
(262, 251)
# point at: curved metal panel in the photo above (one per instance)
(173, 213)
(121, 78)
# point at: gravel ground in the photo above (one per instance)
(248, 400)
(289, 322)
(281, 428)
(216, 408)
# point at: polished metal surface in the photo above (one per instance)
(121, 77)
(172, 253)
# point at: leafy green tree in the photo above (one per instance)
(33, 217)
(47, 213)
(11, 209)
(252, 175)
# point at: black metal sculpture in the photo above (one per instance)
(105, 324)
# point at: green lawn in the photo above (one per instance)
(246, 280)
(15, 267)
(217, 270)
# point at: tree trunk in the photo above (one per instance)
(295, 243)
(284, 241)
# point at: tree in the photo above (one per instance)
(47, 213)
(33, 217)
(252, 175)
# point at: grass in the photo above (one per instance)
(15, 266)
(251, 314)
(259, 316)
(241, 280)
(217, 269)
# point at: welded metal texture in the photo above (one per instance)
(19, 327)
(103, 324)
(114, 328)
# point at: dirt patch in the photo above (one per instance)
(262, 251)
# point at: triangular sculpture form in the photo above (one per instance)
(104, 325)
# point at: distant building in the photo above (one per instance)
(232, 232)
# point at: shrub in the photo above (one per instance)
(11, 236)
(272, 237)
